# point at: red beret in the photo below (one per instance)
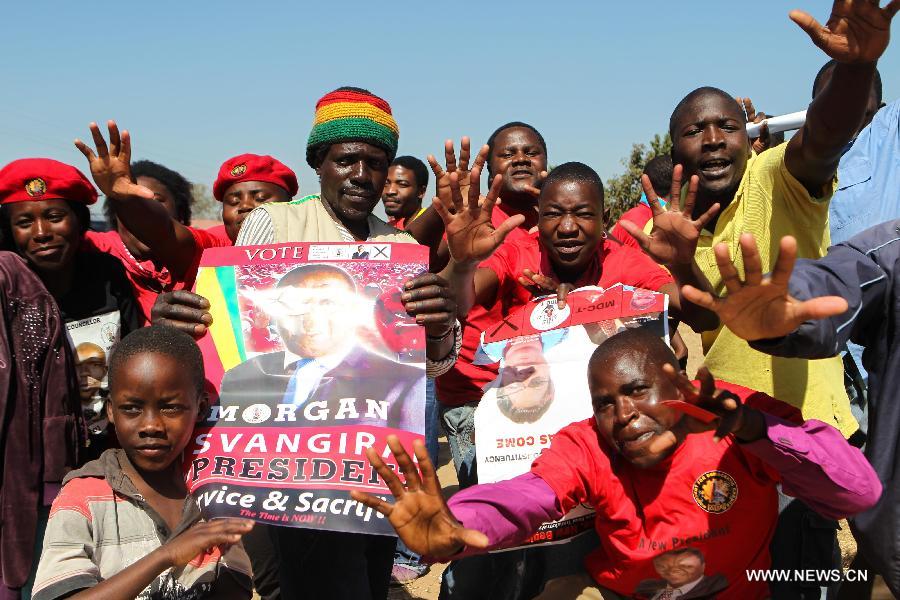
(44, 179)
(253, 167)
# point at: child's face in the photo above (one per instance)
(154, 405)
(626, 391)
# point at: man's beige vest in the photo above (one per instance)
(307, 220)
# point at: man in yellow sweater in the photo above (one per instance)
(785, 191)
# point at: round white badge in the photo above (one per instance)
(546, 315)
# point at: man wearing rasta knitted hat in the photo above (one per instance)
(351, 114)
(352, 143)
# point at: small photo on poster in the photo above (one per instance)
(92, 340)
(682, 574)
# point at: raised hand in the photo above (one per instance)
(673, 239)
(764, 141)
(857, 31)
(761, 307)
(471, 237)
(442, 175)
(419, 513)
(203, 536)
(541, 285)
(111, 166)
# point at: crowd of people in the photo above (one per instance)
(104, 381)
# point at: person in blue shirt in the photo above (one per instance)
(868, 193)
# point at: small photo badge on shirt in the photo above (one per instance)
(715, 491)
(548, 315)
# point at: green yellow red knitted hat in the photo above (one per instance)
(352, 115)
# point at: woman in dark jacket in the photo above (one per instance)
(43, 218)
(40, 421)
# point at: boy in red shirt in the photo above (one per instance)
(658, 478)
(243, 183)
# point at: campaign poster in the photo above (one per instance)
(311, 359)
(92, 339)
(542, 386)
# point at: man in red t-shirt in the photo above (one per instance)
(570, 249)
(244, 182)
(518, 152)
(404, 188)
(666, 466)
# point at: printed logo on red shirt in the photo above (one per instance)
(715, 491)
(547, 315)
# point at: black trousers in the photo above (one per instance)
(316, 565)
(260, 547)
(804, 540)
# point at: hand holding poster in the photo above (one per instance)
(542, 382)
(314, 360)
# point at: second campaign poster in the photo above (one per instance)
(542, 386)
(313, 359)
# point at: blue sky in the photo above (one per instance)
(197, 82)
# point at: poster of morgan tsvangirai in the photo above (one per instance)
(310, 360)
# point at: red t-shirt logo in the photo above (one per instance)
(715, 491)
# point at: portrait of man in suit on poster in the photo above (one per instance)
(683, 576)
(324, 376)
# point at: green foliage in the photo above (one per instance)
(623, 191)
(204, 205)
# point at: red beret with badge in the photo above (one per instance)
(254, 167)
(33, 179)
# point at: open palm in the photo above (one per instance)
(471, 236)
(761, 307)
(419, 513)
(673, 239)
(111, 165)
(857, 31)
(442, 174)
